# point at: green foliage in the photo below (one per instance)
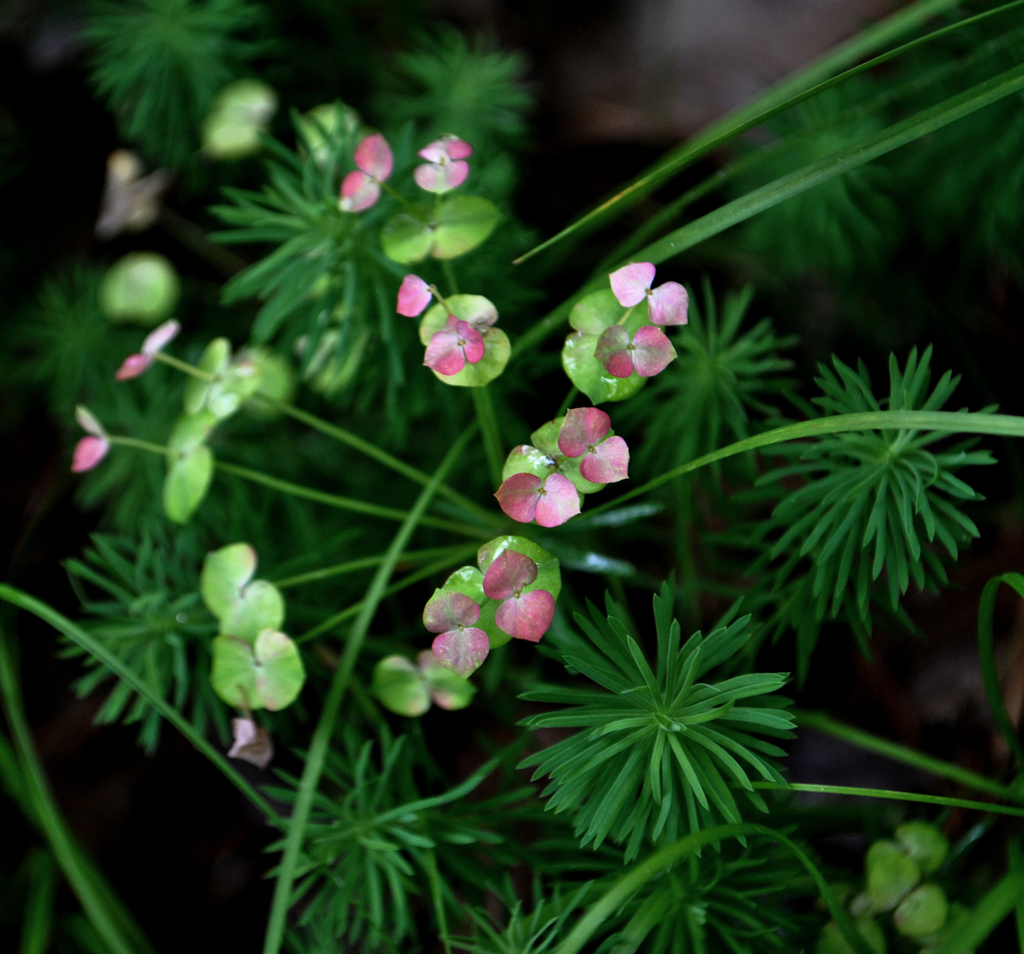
(869, 503)
(660, 753)
(149, 614)
(159, 64)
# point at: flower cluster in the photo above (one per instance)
(445, 169)
(511, 596)
(156, 340)
(569, 457)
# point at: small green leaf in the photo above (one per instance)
(214, 360)
(406, 238)
(188, 478)
(260, 606)
(399, 686)
(447, 689)
(189, 431)
(592, 315)
(266, 675)
(225, 572)
(465, 221)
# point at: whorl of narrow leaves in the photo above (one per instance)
(872, 501)
(659, 753)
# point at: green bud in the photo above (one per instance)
(921, 912)
(141, 287)
(240, 113)
(276, 381)
(891, 875)
(400, 687)
(924, 843)
(830, 941)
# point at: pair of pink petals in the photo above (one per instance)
(90, 450)
(446, 166)
(668, 304)
(414, 295)
(551, 501)
(360, 189)
(648, 352)
(457, 344)
(462, 647)
(156, 340)
(583, 434)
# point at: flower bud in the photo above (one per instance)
(141, 287)
(921, 912)
(924, 843)
(891, 875)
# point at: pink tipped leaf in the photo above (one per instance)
(583, 428)
(507, 575)
(669, 304)
(631, 282)
(413, 296)
(89, 451)
(447, 610)
(607, 462)
(518, 496)
(358, 192)
(462, 650)
(652, 351)
(133, 366)
(441, 176)
(527, 616)
(373, 156)
(614, 352)
(160, 337)
(447, 147)
(559, 501)
(457, 344)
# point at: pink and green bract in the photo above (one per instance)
(457, 344)
(414, 295)
(460, 647)
(668, 304)
(584, 434)
(521, 615)
(360, 189)
(136, 364)
(446, 167)
(551, 501)
(648, 352)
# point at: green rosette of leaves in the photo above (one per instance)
(457, 225)
(543, 457)
(590, 317)
(255, 665)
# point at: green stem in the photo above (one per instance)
(98, 650)
(184, 366)
(449, 273)
(955, 422)
(988, 913)
(414, 210)
(138, 444)
(986, 650)
(46, 811)
(900, 753)
(363, 563)
(325, 726)
(569, 398)
(347, 503)
(438, 900)
(891, 796)
(611, 902)
(406, 581)
(489, 429)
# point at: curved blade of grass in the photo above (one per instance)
(838, 163)
(953, 422)
(364, 563)
(610, 902)
(900, 753)
(988, 914)
(785, 95)
(891, 796)
(320, 741)
(82, 639)
(44, 807)
(986, 612)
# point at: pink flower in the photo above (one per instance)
(552, 501)
(461, 646)
(446, 166)
(457, 344)
(649, 353)
(413, 296)
(361, 188)
(605, 459)
(521, 615)
(136, 364)
(667, 304)
(89, 451)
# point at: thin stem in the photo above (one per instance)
(347, 503)
(414, 210)
(98, 650)
(955, 422)
(489, 429)
(900, 753)
(325, 726)
(625, 317)
(406, 581)
(569, 398)
(449, 275)
(442, 301)
(892, 796)
(183, 366)
(438, 900)
(363, 563)
(138, 444)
